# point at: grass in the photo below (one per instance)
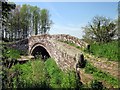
(107, 50)
(58, 78)
(99, 75)
(40, 74)
(29, 75)
(12, 53)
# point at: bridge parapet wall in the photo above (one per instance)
(63, 59)
(72, 39)
(64, 37)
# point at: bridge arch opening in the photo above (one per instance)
(40, 52)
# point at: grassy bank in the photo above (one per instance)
(107, 50)
(100, 75)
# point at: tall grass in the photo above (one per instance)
(40, 74)
(29, 75)
(58, 78)
(107, 50)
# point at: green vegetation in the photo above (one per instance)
(29, 75)
(40, 74)
(107, 50)
(99, 33)
(35, 73)
(96, 85)
(99, 75)
(58, 78)
(100, 29)
(11, 53)
(18, 21)
(9, 56)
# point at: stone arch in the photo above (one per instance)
(39, 48)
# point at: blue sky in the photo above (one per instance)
(69, 17)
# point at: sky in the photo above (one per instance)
(70, 17)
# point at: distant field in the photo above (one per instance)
(107, 50)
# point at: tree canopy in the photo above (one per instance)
(101, 29)
(23, 21)
(6, 8)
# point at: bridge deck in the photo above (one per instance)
(70, 50)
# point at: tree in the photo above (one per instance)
(15, 23)
(45, 21)
(6, 8)
(35, 15)
(101, 29)
(24, 21)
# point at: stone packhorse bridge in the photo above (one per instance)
(65, 55)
